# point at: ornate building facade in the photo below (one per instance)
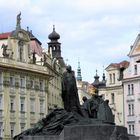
(131, 84)
(30, 80)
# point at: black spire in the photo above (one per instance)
(54, 36)
(96, 81)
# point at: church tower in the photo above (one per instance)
(54, 47)
(79, 77)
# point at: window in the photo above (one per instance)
(12, 81)
(22, 127)
(132, 106)
(112, 98)
(0, 78)
(32, 83)
(22, 104)
(131, 129)
(110, 76)
(135, 69)
(41, 106)
(1, 129)
(12, 129)
(41, 85)
(114, 78)
(131, 109)
(129, 90)
(11, 103)
(1, 102)
(132, 89)
(22, 82)
(32, 105)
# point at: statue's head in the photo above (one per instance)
(68, 68)
(84, 98)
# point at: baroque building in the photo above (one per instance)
(29, 80)
(131, 84)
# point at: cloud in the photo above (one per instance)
(95, 31)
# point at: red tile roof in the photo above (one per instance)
(35, 46)
(123, 64)
(4, 35)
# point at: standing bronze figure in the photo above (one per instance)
(69, 91)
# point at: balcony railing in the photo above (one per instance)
(131, 118)
(130, 98)
(24, 66)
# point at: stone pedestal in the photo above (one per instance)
(87, 132)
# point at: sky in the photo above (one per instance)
(94, 32)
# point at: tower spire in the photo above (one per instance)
(79, 77)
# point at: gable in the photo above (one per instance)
(135, 49)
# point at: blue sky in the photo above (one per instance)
(96, 32)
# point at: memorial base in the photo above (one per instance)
(87, 132)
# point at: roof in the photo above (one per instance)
(123, 64)
(35, 46)
(5, 35)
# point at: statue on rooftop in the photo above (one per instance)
(4, 47)
(18, 21)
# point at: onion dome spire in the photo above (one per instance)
(54, 36)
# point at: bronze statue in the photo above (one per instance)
(69, 91)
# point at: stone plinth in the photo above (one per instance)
(87, 132)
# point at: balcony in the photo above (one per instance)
(12, 116)
(32, 93)
(131, 118)
(32, 118)
(22, 91)
(12, 90)
(9, 63)
(130, 98)
(22, 117)
(41, 94)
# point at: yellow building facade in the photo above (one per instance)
(30, 81)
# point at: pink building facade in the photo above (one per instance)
(131, 84)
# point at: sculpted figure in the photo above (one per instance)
(4, 47)
(18, 20)
(69, 91)
(34, 57)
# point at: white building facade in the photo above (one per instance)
(131, 84)
(114, 90)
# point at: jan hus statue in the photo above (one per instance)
(69, 91)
